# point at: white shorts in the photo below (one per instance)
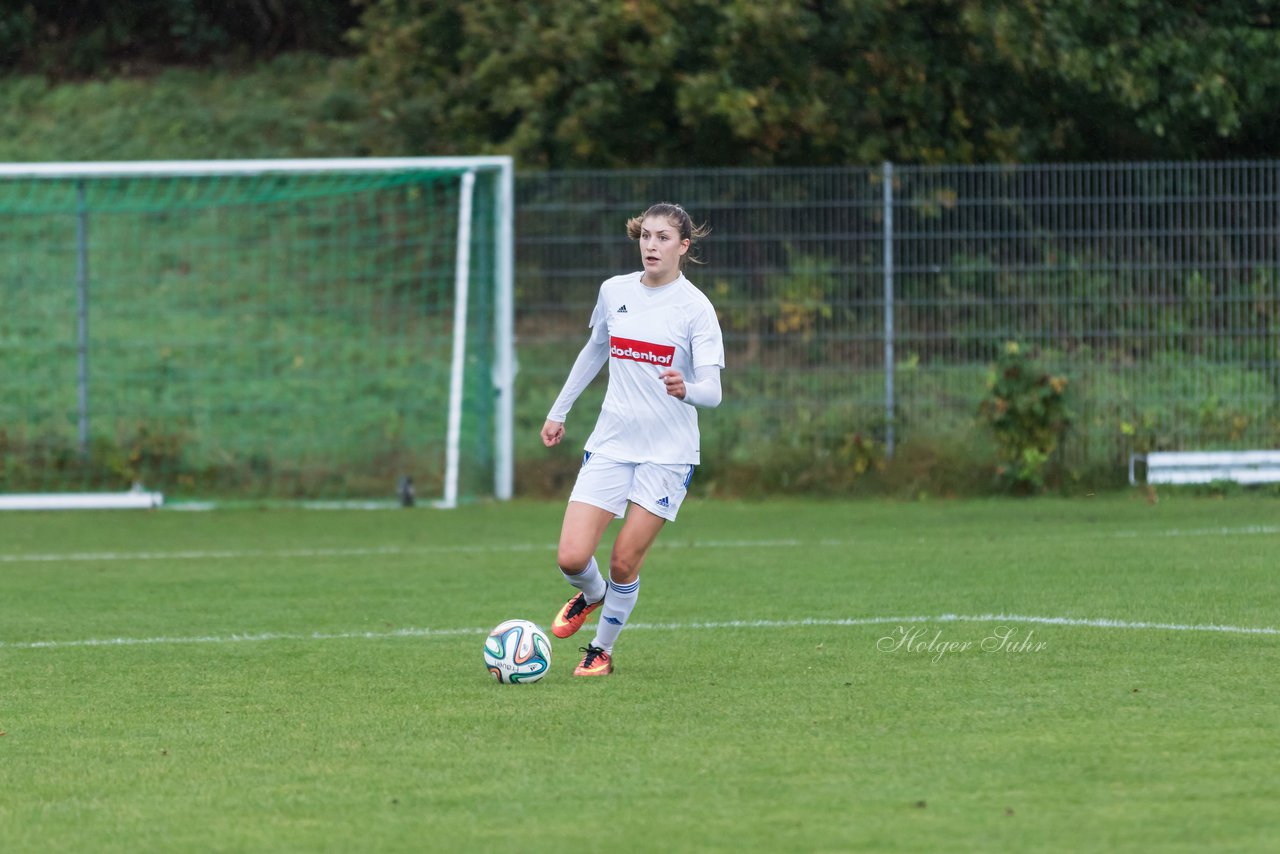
(659, 488)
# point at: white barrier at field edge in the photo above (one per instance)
(134, 499)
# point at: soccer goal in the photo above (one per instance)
(281, 329)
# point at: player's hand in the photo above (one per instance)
(552, 433)
(674, 381)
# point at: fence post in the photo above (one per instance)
(82, 315)
(888, 310)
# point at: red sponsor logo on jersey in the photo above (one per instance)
(641, 351)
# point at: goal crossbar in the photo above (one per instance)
(317, 165)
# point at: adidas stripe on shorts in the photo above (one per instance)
(659, 488)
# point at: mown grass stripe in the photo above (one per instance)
(238, 554)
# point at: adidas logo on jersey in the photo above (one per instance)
(664, 501)
(623, 309)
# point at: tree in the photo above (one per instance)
(74, 38)
(808, 82)
(1139, 79)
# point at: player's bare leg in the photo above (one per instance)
(634, 540)
(580, 534)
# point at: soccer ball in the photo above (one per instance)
(517, 651)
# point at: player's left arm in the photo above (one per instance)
(706, 346)
(704, 391)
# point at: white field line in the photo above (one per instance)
(239, 554)
(1245, 530)
(1099, 623)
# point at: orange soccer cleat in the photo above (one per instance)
(572, 616)
(596, 662)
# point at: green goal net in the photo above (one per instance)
(260, 329)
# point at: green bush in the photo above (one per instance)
(1026, 410)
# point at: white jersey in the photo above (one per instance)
(649, 330)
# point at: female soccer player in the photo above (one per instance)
(662, 341)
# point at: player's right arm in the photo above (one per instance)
(552, 432)
(589, 362)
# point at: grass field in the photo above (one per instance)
(1095, 674)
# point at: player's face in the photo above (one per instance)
(661, 249)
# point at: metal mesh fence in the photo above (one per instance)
(1155, 288)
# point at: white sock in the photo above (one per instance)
(615, 612)
(589, 581)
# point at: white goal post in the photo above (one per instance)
(495, 194)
